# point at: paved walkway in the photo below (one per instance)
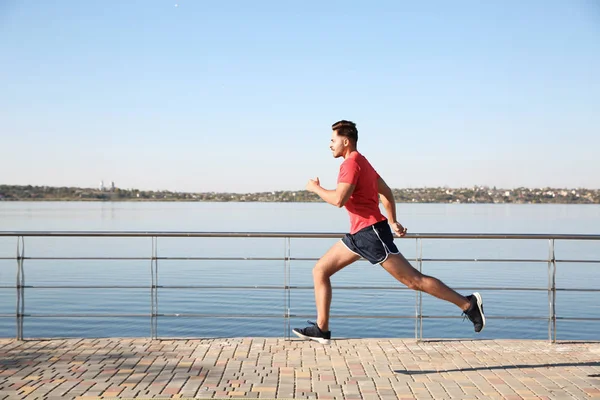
(275, 368)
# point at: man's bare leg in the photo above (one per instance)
(336, 258)
(403, 271)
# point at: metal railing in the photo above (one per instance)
(286, 260)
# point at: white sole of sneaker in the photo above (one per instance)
(316, 339)
(480, 306)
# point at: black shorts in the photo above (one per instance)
(374, 243)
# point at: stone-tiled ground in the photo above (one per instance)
(275, 368)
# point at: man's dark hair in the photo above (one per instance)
(346, 129)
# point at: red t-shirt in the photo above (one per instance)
(363, 205)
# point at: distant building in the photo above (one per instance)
(102, 186)
(112, 186)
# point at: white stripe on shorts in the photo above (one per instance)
(387, 251)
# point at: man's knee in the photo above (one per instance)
(320, 270)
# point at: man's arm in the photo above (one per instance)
(337, 197)
(387, 199)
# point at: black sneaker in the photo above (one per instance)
(313, 332)
(475, 311)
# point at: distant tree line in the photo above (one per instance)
(476, 194)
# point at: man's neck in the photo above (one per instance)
(349, 152)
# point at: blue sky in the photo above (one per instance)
(240, 96)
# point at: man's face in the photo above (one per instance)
(337, 144)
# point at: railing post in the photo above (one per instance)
(154, 290)
(287, 248)
(419, 294)
(20, 312)
(551, 293)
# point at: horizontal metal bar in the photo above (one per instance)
(511, 317)
(482, 288)
(312, 259)
(147, 287)
(498, 260)
(149, 258)
(196, 315)
(486, 317)
(101, 315)
(291, 316)
(521, 260)
(182, 315)
(91, 315)
(226, 316)
(396, 287)
(303, 235)
(76, 287)
(423, 316)
(78, 258)
(271, 287)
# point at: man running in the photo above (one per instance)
(370, 237)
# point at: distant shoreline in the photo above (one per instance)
(473, 195)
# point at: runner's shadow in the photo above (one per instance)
(501, 367)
